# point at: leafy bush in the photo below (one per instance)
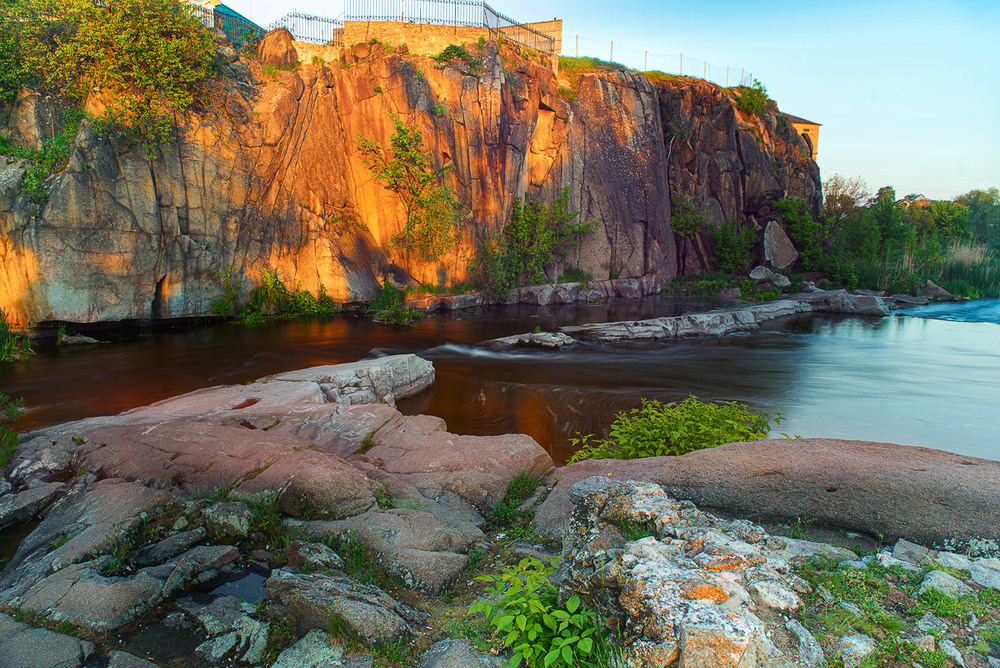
(731, 247)
(658, 429)
(388, 307)
(13, 346)
(522, 608)
(575, 275)
(10, 410)
(686, 218)
(150, 58)
(753, 99)
(807, 234)
(527, 246)
(433, 213)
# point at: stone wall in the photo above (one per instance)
(421, 39)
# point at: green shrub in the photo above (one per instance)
(10, 410)
(405, 167)
(575, 275)
(388, 307)
(753, 99)
(13, 346)
(675, 429)
(527, 246)
(731, 247)
(227, 304)
(686, 218)
(522, 610)
(807, 234)
(150, 58)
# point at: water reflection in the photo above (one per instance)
(901, 379)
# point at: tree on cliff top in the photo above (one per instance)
(145, 59)
(433, 213)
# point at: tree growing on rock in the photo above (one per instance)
(433, 212)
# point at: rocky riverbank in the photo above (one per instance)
(302, 520)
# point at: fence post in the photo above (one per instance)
(577, 46)
(682, 65)
(645, 61)
(727, 76)
(742, 69)
(705, 75)
(612, 59)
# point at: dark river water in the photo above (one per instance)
(928, 377)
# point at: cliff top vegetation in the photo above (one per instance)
(143, 60)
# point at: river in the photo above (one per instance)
(928, 376)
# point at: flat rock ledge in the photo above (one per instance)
(881, 489)
(715, 323)
(592, 292)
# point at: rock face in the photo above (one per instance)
(276, 182)
(735, 163)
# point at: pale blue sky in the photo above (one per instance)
(908, 92)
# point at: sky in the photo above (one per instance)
(908, 93)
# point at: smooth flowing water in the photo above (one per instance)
(928, 377)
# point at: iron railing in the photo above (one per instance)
(308, 28)
(240, 32)
(463, 13)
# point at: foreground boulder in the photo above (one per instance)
(896, 491)
(363, 612)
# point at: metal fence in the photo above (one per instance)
(240, 32)
(669, 63)
(463, 13)
(308, 28)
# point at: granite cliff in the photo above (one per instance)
(269, 177)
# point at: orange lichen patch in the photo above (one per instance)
(704, 591)
(721, 560)
(712, 647)
(693, 547)
(654, 655)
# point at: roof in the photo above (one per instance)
(798, 119)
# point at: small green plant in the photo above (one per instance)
(507, 512)
(10, 410)
(753, 99)
(731, 247)
(383, 497)
(523, 612)
(438, 109)
(476, 556)
(800, 528)
(388, 307)
(363, 564)
(575, 275)
(271, 72)
(13, 346)
(636, 530)
(657, 429)
(686, 219)
(377, 89)
(227, 304)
